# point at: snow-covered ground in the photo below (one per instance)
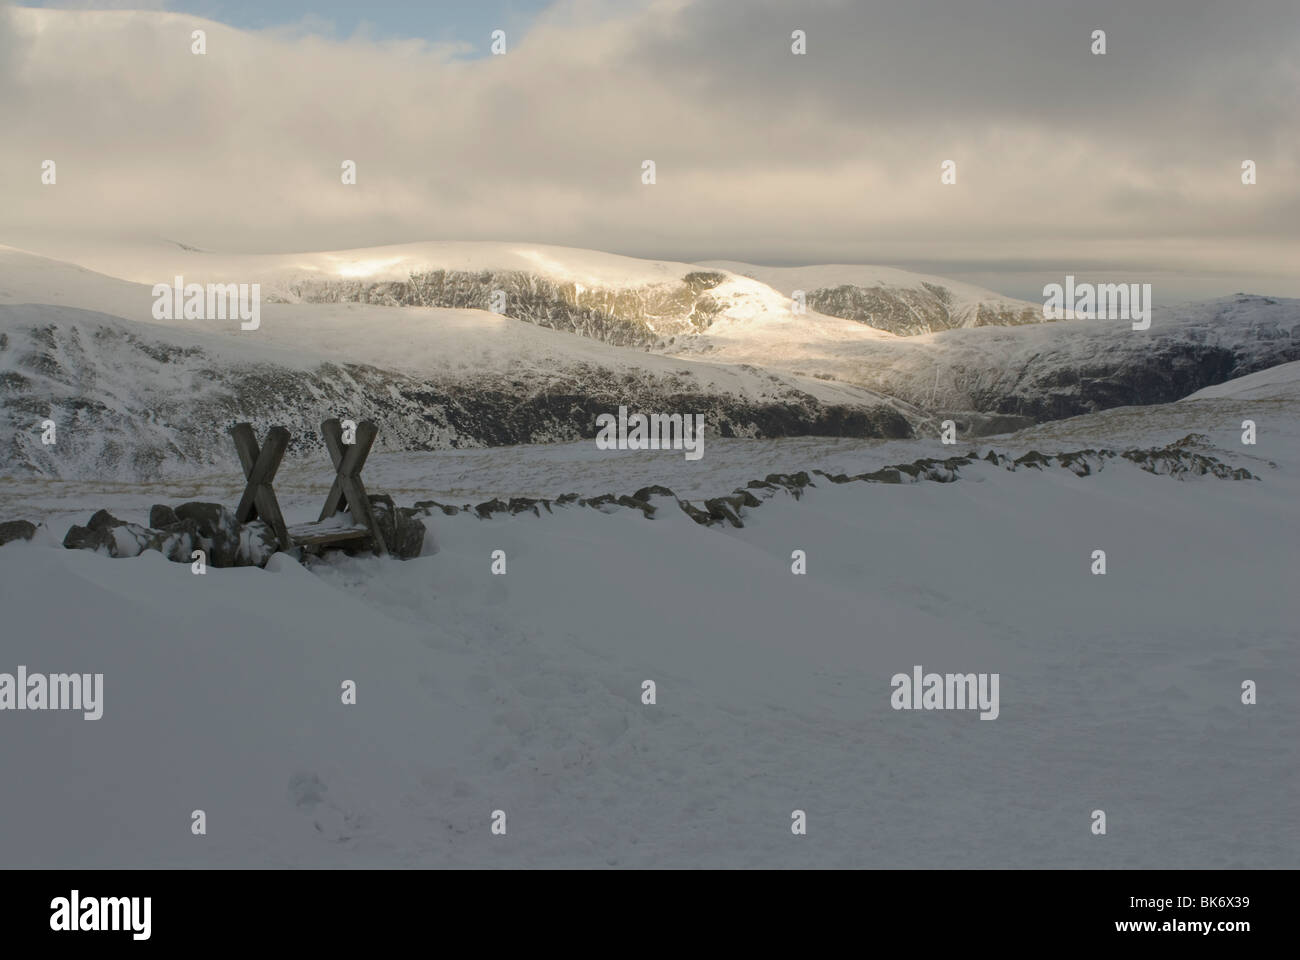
(522, 692)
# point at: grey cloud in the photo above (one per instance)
(761, 154)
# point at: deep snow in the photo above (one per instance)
(522, 692)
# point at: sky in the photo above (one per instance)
(1123, 166)
(469, 22)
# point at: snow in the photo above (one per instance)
(151, 263)
(421, 340)
(150, 398)
(953, 369)
(966, 296)
(1282, 380)
(522, 692)
(1033, 367)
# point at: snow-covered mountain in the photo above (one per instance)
(133, 397)
(1002, 361)
(1040, 371)
(339, 338)
(890, 299)
(621, 300)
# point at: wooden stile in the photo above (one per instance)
(347, 491)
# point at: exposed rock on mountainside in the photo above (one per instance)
(627, 317)
(1041, 371)
(129, 405)
(653, 314)
(908, 312)
(887, 298)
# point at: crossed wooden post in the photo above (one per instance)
(259, 469)
(347, 491)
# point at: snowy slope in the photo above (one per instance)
(621, 300)
(1043, 371)
(1280, 382)
(1015, 366)
(437, 377)
(134, 397)
(522, 692)
(890, 299)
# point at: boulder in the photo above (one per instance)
(720, 508)
(489, 507)
(177, 541)
(218, 530)
(655, 490)
(129, 539)
(162, 516)
(381, 505)
(428, 506)
(409, 542)
(522, 504)
(257, 544)
(106, 532)
(103, 520)
(694, 512)
(87, 538)
(634, 503)
(16, 530)
(402, 530)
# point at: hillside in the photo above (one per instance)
(887, 298)
(137, 398)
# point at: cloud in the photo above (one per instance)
(760, 154)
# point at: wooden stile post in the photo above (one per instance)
(259, 469)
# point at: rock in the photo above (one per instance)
(129, 539)
(106, 532)
(257, 544)
(177, 541)
(1033, 459)
(218, 530)
(16, 530)
(402, 531)
(409, 542)
(655, 490)
(694, 512)
(720, 509)
(86, 538)
(103, 520)
(794, 483)
(162, 516)
(428, 506)
(381, 505)
(521, 504)
(489, 507)
(637, 504)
